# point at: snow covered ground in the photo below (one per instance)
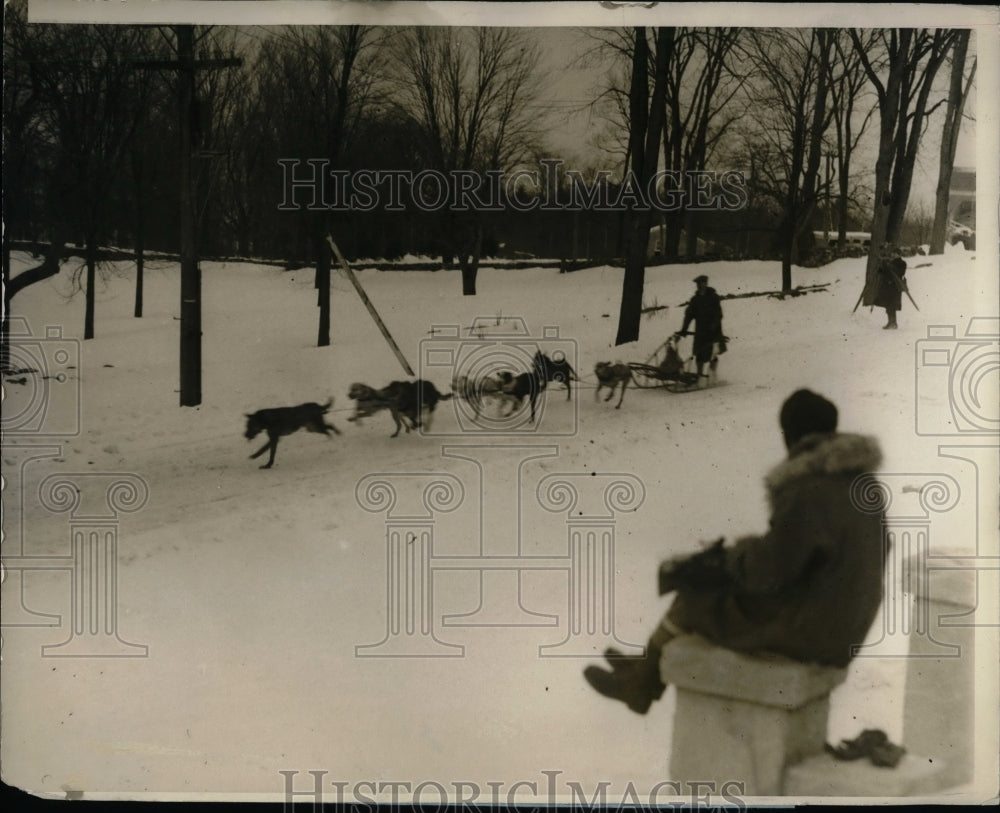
(252, 589)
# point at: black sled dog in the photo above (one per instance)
(411, 403)
(530, 385)
(281, 421)
(557, 370)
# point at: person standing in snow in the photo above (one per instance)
(705, 310)
(891, 284)
(807, 589)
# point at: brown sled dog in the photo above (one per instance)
(476, 392)
(611, 375)
(281, 421)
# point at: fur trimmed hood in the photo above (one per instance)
(824, 454)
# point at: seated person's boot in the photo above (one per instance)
(634, 681)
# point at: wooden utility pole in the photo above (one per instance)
(190, 270)
(190, 136)
(323, 286)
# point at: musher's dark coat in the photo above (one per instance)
(811, 586)
(705, 310)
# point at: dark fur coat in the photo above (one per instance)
(811, 586)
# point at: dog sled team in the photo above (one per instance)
(704, 309)
(412, 403)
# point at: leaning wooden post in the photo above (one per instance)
(370, 306)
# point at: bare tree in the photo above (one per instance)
(24, 155)
(701, 98)
(23, 139)
(155, 134)
(793, 112)
(467, 94)
(901, 68)
(313, 85)
(243, 124)
(701, 104)
(958, 93)
(920, 221)
(846, 93)
(646, 113)
(85, 101)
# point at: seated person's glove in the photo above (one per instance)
(705, 570)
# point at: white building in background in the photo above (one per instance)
(861, 239)
(657, 235)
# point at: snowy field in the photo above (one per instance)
(252, 589)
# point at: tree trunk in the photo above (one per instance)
(469, 262)
(48, 268)
(139, 271)
(140, 241)
(842, 202)
(787, 231)
(803, 237)
(880, 225)
(646, 127)
(908, 144)
(691, 236)
(633, 283)
(323, 262)
(469, 273)
(673, 226)
(949, 140)
(5, 316)
(88, 319)
(889, 113)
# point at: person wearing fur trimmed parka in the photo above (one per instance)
(808, 589)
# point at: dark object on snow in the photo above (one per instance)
(634, 681)
(282, 421)
(411, 403)
(891, 284)
(705, 310)
(705, 570)
(558, 370)
(872, 743)
(810, 587)
(530, 385)
(805, 413)
(671, 373)
(612, 375)
(807, 589)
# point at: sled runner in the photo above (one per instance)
(666, 369)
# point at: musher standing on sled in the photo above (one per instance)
(705, 310)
